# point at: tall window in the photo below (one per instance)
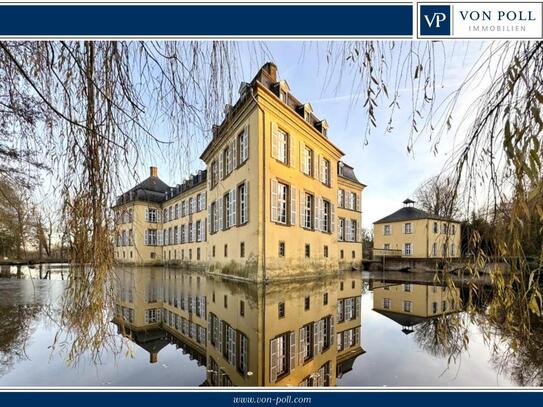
(354, 227)
(352, 201)
(282, 355)
(227, 210)
(152, 215)
(341, 230)
(326, 217)
(407, 228)
(191, 205)
(325, 172)
(214, 173)
(308, 211)
(387, 230)
(434, 249)
(198, 231)
(306, 342)
(243, 146)
(407, 306)
(151, 237)
(341, 198)
(387, 303)
(407, 249)
(282, 199)
(282, 146)
(308, 161)
(242, 199)
(227, 161)
(435, 227)
(213, 215)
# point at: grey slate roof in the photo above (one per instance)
(153, 189)
(152, 184)
(347, 172)
(408, 213)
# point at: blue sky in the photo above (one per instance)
(384, 164)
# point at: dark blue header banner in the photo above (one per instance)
(273, 398)
(177, 20)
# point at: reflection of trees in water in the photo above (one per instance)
(15, 329)
(517, 353)
(511, 330)
(444, 336)
(84, 325)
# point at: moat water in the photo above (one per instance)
(156, 328)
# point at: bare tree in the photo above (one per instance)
(437, 196)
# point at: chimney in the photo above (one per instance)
(153, 357)
(154, 171)
(271, 69)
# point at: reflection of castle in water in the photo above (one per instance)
(304, 333)
(410, 304)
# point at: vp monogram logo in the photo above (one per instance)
(437, 18)
(434, 19)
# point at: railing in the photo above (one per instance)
(387, 253)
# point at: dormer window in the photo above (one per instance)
(306, 111)
(283, 91)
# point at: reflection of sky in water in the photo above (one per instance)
(392, 358)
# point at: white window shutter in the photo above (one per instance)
(273, 199)
(321, 215)
(293, 195)
(235, 153)
(302, 209)
(146, 237)
(302, 156)
(246, 200)
(292, 351)
(359, 202)
(358, 232)
(274, 141)
(204, 199)
(332, 330)
(159, 240)
(221, 165)
(221, 220)
(291, 159)
(316, 215)
(209, 218)
(194, 231)
(319, 168)
(316, 326)
(348, 230)
(233, 206)
(216, 215)
(274, 359)
(332, 218)
(302, 352)
(159, 216)
(204, 232)
(244, 153)
(146, 214)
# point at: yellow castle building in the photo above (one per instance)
(287, 333)
(410, 304)
(413, 233)
(275, 200)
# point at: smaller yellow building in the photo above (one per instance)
(413, 233)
